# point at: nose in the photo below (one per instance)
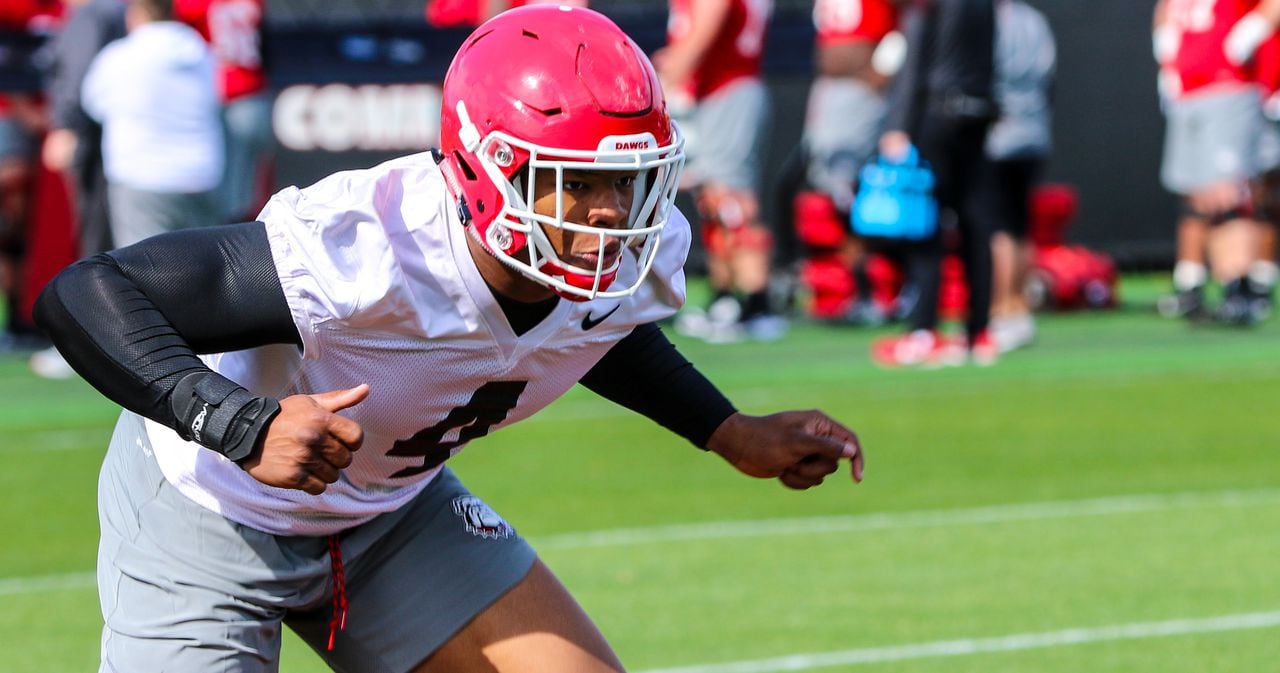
(609, 208)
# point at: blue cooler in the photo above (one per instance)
(895, 199)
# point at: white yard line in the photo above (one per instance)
(28, 585)
(715, 530)
(1010, 643)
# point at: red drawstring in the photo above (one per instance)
(338, 621)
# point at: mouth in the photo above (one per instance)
(590, 260)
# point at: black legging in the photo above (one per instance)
(953, 147)
(788, 182)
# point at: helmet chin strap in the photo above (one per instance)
(581, 281)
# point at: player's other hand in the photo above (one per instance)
(308, 444)
(800, 448)
(895, 145)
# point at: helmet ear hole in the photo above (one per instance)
(466, 168)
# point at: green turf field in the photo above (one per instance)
(1108, 500)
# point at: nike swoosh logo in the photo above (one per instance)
(589, 322)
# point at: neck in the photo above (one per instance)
(503, 279)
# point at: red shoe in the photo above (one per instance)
(983, 350)
(919, 348)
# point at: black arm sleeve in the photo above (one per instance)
(132, 321)
(645, 373)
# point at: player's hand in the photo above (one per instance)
(894, 145)
(800, 448)
(59, 150)
(308, 444)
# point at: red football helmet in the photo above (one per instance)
(556, 88)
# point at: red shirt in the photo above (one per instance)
(21, 14)
(1203, 26)
(233, 29)
(450, 13)
(840, 21)
(1266, 64)
(735, 52)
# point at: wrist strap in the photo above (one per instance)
(214, 412)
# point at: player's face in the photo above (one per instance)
(595, 198)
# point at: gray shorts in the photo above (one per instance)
(1211, 138)
(841, 131)
(726, 136)
(137, 214)
(184, 589)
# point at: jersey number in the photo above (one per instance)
(487, 407)
(233, 29)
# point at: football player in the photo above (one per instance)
(294, 386)
(857, 52)
(1214, 110)
(1260, 24)
(711, 67)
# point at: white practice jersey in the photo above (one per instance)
(383, 290)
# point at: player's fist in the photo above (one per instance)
(308, 444)
(800, 448)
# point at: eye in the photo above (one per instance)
(626, 182)
(574, 185)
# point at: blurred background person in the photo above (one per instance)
(73, 144)
(1213, 106)
(1264, 272)
(155, 95)
(941, 102)
(233, 29)
(856, 53)
(22, 123)
(711, 68)
(74, 141)
(1017, 149)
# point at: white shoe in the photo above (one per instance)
(717, 325)
(766, 327)
(50, 364)
(1013, 332)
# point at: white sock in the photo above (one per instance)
(1264, 273)
(1189, 275)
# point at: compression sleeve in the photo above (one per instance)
(132, 322)
(645, 373)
